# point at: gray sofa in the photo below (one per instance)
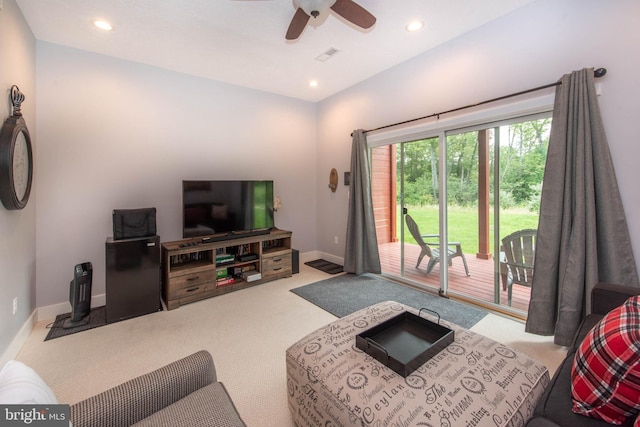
(554, 407)
(183, 393)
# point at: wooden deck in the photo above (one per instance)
(479, 286)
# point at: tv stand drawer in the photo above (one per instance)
(190, 291)
(194, 279)
(276, 265)
(190, 284)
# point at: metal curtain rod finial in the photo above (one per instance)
(599, 72)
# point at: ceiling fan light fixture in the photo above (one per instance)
(315, 7)
(347, 9)
(414, 26)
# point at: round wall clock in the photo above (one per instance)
(16, 157)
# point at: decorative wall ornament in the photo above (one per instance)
(333, 180)
(16, 157)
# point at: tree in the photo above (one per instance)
(523, 159)
(523, 150)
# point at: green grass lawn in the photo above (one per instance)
(463, 224)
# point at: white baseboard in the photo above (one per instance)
(43, 313)
(51, 311)
(18, 341)
(313, 255)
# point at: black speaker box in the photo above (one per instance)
(295, 261)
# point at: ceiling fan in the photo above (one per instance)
(347, 9)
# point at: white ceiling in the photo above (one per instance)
(242, 41)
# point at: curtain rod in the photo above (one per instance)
(599, 72)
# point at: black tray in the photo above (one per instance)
(405, 342)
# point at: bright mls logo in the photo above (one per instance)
(34, 415)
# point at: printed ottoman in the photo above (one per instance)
(474, 381)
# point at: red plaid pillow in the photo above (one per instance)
(605, 376)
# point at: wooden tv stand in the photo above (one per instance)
(192, 268)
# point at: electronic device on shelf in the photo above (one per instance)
(225, 259)
(80, 295)
(248, 257)
(251, 276)
(222, 210)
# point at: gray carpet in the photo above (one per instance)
(347, 293)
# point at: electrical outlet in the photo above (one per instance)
(335, 239)
(15, 305)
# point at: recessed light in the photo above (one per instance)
(313, 83)
(103, 25)
(415, 26)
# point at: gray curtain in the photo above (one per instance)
(361, 252)
(582, 233)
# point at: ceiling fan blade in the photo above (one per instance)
(354, 13)
(296, 27)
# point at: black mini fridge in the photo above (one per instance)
(133, 277)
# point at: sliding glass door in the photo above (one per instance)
(453, 198)
(418, 209)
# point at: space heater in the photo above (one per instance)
(80, 296)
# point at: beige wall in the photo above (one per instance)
(17, 228)
(530, 47)
(117, 134)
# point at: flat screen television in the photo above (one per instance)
(226, 207)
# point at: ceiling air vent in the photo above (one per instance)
(327, 54)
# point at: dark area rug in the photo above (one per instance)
(348, 293)
(326, 266)
(97, 317)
